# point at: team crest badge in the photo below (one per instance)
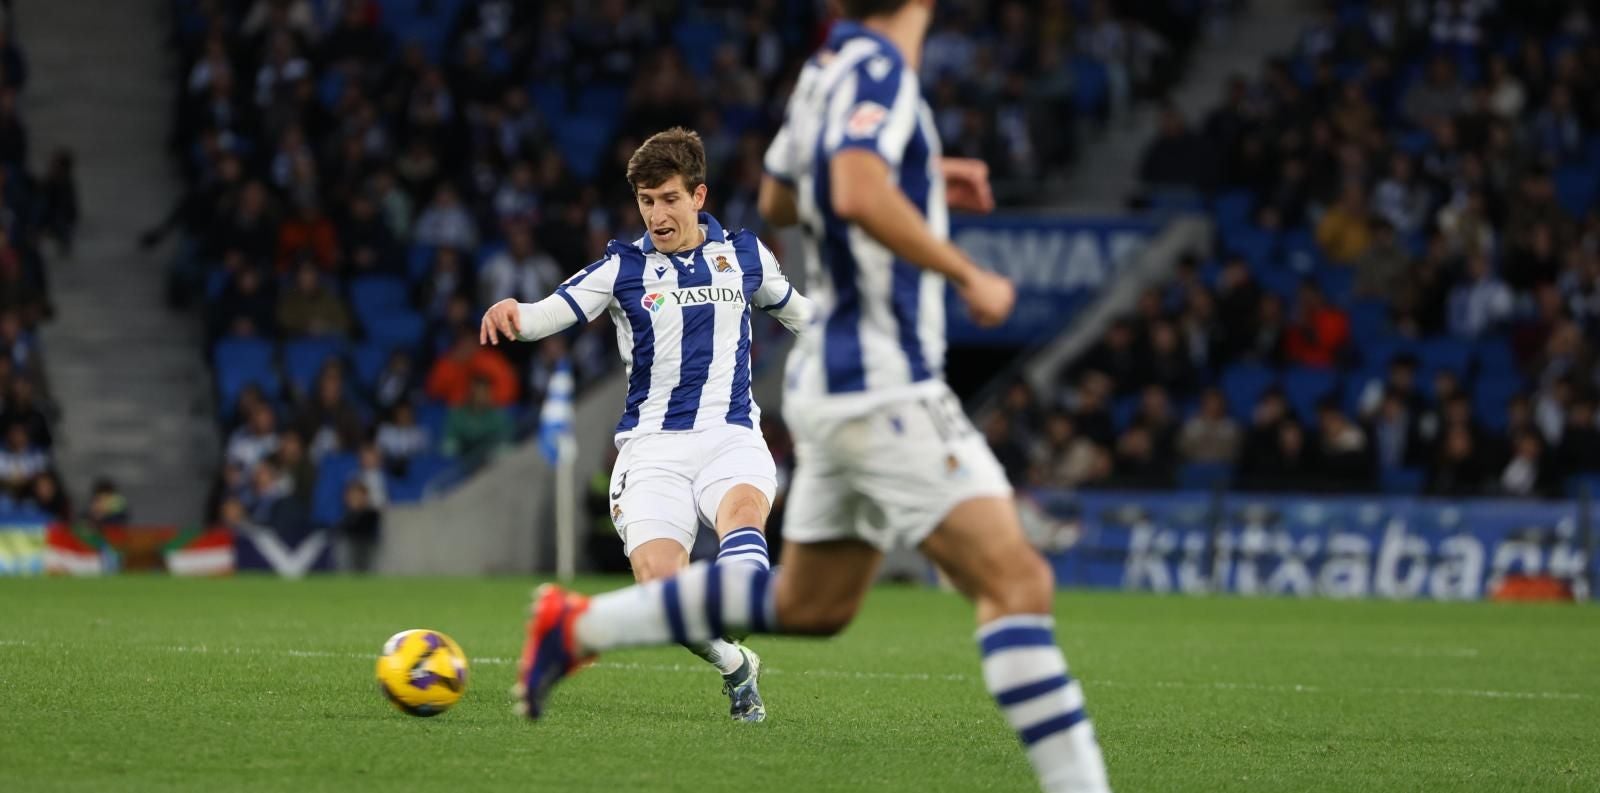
(723, 266)
(952, 466)
(616, 513)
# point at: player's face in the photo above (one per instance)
(671, 214)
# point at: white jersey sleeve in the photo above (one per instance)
(590, 290)
(875, 109)
(778, 297)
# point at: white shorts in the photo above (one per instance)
(887, 476)
(666, 484)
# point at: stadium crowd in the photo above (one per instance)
(364, 176)
(35, 210)
(1406, 296)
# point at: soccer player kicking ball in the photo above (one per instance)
(885, 457)
(689, 443)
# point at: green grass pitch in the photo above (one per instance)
(141, 683)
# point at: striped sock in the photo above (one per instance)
(702, 603)
(1027, 675)
(746, 545)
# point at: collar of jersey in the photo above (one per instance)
(714, 233)
(844, 30)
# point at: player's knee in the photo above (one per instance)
(742, 506)
(657, 559)
(1027, 586)
(816, 619)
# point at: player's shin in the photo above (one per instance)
(1027, 675)
(702, 603)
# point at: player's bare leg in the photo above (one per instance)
(981, 547)
(818, 592)
(740, 523)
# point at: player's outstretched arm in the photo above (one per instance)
(862, 192)
(515, 321)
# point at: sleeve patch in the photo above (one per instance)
(866, 118)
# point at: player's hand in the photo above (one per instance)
(989, 298)
(500, 321)
(966, 184)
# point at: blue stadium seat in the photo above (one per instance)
(1233, 209)
(583, 140)
(432, 415)
(216, 283)
(1243, 384)
(1402, 481)
(1378, 351)
(419, 260)
(1204, 476)
(327, 495)
(600, 99)
(399, 329)
(1368, 319)
(697, 42)
(241, 362)
(304, 358)
(550, 99)
(1495, 357)
(1281, 282)
(1338, 283)
(1175, 199)
(1091, 86)
(1575, 188)
(1490, 396)
(1298, 251)
(1305, 387)
(1583, 485)
(1442, 353)
(423, 469)
(375, 295)
(367, 360)
(1123, 411)
(1258, 246)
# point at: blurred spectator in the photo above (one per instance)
(453, 376)
(1345, 229)
(1342, 451)
(269, 500)
(400, 438)
(396, 382)
(328, 420)
(1065, 459)
(1177, 157)
(298, 467)
(59, 196)
(445, 223)
(358, 529)
(46, 495)
(251, 443)
(1528, 474)
(1210, 435)
(311, 308)
(1460, 468)
(247, 306)
(479, 427)
(20, 461)
(520, 271)
(1480, 304)
(1394, 433)
(1318, 332)
(22, 408)
(370, 470)
(1381, 271)
(1013, 456)
(107, 505)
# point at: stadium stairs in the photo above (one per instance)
(1106, 174)
(132, 390)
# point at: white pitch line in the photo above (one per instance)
(1275, 688)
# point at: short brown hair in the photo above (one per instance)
(675, 152)
(862, 9)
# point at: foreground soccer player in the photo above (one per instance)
(689, 444)
(885, 455)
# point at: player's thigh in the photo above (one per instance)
(650, 499)
(980, 545)
(737, 479)
(821, 585)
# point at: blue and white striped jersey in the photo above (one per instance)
(882, 334)
(683, 325)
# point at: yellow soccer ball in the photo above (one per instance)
(422, 672)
